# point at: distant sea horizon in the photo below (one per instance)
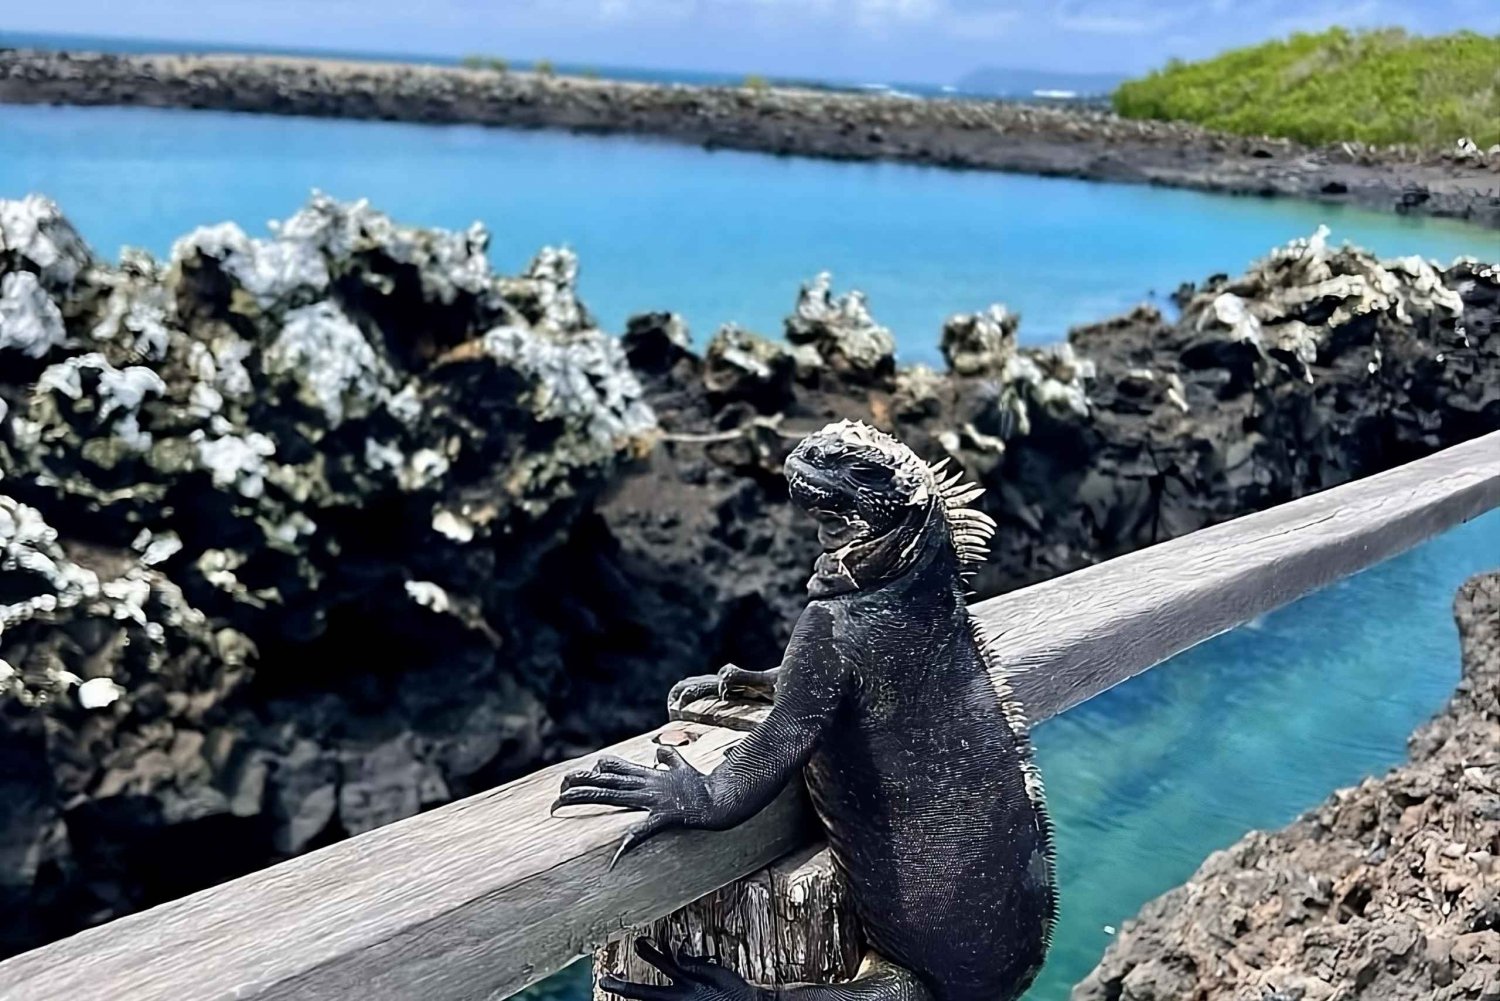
(984, 81)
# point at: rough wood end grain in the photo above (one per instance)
(790, 922)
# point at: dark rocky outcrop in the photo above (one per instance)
(306, 534)
(1390, 891)
(1061, 141)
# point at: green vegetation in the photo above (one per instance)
(756, 82)
(494, 63)
(543, 67)
(1377, 87)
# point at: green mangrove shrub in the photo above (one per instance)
(1381, 87)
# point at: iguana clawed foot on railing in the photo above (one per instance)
(731, 684)
(674, 796)
(693, 979)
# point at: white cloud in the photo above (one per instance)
(967, 19)
(979, 24)
(1121, 17)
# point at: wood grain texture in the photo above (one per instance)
(480, 898)
(1073, 637)
(472, 901)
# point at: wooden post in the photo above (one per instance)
(790, 922)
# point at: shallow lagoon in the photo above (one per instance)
(716, 236)
(1244, 731)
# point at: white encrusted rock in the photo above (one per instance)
(980, 343)
(34, 230)
(331, 362)
(30, 321)
(841, 329)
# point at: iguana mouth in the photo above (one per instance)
(819, 493)
(812, 489)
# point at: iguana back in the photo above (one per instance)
(915, 752)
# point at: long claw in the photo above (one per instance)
(619, 766)
(630, 842)
(664, 960)
(646, 829)
(603, 780)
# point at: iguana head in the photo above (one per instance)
(879, 507)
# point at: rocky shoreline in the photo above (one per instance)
(307, 533)
(975, 134)
(1388, 891)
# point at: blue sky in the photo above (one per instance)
(928, 41)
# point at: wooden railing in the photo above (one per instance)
(487, 895)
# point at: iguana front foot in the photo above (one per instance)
(731, 684)
(676, 796)
(693, 979)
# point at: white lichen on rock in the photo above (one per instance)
(980, 343)
(330, 360)
(1288, 303)
(137, 314)
(841, 329)
(30, 321)
(34, 231)
(447, 262)
(98, 693)
(49, 594)
(236, 461)
(546, 293)
(45, 580)
(117, 393)
(428, 595)
(269, 270)
(582, 379)
(1054, 378)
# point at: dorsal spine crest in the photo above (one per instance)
(970, 528)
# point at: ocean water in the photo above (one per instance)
(716, 236)
(1242, 732)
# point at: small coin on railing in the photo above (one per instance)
(675, 738)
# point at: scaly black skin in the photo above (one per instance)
(885, 701)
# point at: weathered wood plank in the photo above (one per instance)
(1073, 637)
(474, 900)
(484, 896)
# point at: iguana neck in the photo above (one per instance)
(914, 545)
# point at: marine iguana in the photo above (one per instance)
(913, 747)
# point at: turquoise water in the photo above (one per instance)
(717, 236)
(1245, 731)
